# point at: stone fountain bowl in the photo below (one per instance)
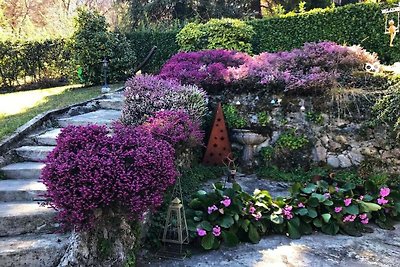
(247, 137)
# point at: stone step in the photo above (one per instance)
(32, 250)
(48, 138)
(23, 170)
(20, 190)
(101, 117)
(112, 103)
(26, 217)
(34, 153)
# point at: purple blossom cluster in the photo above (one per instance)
(314, 66)
(176, 127)
(147, 94)
(203, 68)
(90, 170)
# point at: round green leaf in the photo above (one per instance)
(207, 242)
(253, 234)
(230, 239)
(326, 217)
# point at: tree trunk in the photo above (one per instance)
(110, 243)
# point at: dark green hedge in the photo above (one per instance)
(143, 41)
(361, 24)
(27, 63)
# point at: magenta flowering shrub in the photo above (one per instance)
(206, 69)
(315, 66)
(90, 170)
(175, 127)
(147, 94)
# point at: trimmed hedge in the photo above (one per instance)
(45, 62)
(143, 41)
(361, 24)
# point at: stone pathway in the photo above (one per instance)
(27, 230)
(380, 248)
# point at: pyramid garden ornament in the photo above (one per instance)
(390, 26)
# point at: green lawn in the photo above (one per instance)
(18, 108)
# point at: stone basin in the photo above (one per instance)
(250, 140)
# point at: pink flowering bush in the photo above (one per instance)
(147, 94)
(176, 127)
(90, 171)
(315, 66)
(208, 69)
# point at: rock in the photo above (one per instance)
(355, 156)
(341, 139)
(369, 151)
(386, 155)
(320, 153)
(334, 146)
(344, 161)
(325, 140)
(396, 152)
(333, 161)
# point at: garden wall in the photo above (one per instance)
(334, 127)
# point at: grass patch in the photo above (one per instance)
(18, 108)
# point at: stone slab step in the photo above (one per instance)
(34, 153)
(23, 170)
(100, 117)
(112, 103)
(48, 138)
(26, 217)
(32, 250)
(20, 189)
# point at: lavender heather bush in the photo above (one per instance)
(206, 69)
(175, 127)
(147, 94)
(314, 66)
(89, 171)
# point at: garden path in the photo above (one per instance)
(380, 248)
(27, 230)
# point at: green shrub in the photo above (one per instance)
(361, 24)
(92, 43)
(233, 118)
(291, 141)
(231, 34)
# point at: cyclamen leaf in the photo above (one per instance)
(253, 234)
(207, 242)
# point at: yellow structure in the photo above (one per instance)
(392, 31)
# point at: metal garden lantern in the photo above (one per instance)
(175, 230)
(105, 88)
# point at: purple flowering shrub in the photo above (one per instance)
(175, 127)
(90, 170)
(315, 66)
(206, 69)
(147, 94)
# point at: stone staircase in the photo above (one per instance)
(28, 231)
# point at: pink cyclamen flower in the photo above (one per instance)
(300, 205)
(201, 232)
(287, 212)
(361, 198)
(349, 218)
(216, 230)
(337, 189)
(363, 216)
(257, 216)
(338, 209)
(226, 202)
(327, 195)
(365, 221)
(347, 202)
(252, 210)
(382, 201)
(212, 209)
(384, 192)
